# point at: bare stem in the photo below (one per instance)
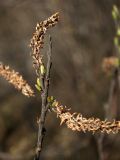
(100, 146)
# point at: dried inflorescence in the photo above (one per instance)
(77, 122)
(38, 37)
(16, 79)
(110, 63)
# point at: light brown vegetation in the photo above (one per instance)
(16, 80)
(38, 37)
(76, 122)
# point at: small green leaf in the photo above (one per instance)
(38, 82)
(52, 98)
(114, 15)
(42, 69)
(115, 12)
(55, 104)
(48, 99)
(38, 87)
(118, 32)
(117, 62)
(116, 41)
(115, 9)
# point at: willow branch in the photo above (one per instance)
(44, 95)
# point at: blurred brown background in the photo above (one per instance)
(81, 40)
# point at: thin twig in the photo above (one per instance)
(100, 146)
(44, 95)
(111, 108)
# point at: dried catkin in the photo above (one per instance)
(37, 40)
(16, 79)
(77, 122)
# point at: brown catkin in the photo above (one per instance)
(37, 40)
(77, 122)
(16, 79)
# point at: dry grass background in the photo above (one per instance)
(82, 39)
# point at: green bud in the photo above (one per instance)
(114, 15)
(115, 12)
(38, 87)
(117, 62)
(115, 9)
(42, 69)
(55, 104)
(48, 99)
(116, 41)
(118, 32)
(38, 82)
(52, 98)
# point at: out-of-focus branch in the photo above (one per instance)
(110, 112)
(111, 64)
(7, 156)
(111, 107)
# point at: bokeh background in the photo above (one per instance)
(83, 37)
